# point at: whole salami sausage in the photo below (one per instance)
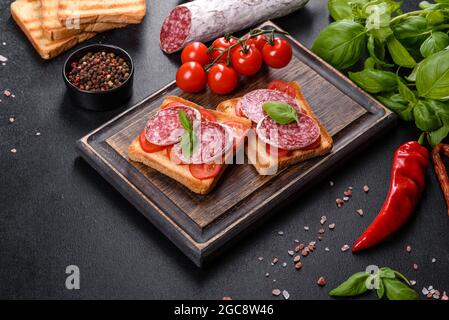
(204, 20)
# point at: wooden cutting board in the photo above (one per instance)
(201, 225)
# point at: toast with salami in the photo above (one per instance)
(263, 161)
(197, 177)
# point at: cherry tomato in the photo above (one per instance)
(247, 61)
(206, 115)
(279, 55)
(205, 171)
(172, 104)
(282, 86)
(240, 131)
(280, 152)
(220, 45)
(222, 79)
(191, 77)
(258, 42)
(148, 146)
(197, 52)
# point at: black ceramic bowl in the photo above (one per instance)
(102, 100)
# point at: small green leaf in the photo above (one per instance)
(185, 121)
(397, 290)
(355, 285)
(399, 53)
(405, 92)
(437, 136)
(432, 80)
(425, 118)
(281, 112)
(381, 290)
(386, 273)
(341, 44)
(186, 145)
(437, 42)
(375, 81)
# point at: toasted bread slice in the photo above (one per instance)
(266, 164)
(28, 15)
(110, 11)
(181, 173)
(54, 30)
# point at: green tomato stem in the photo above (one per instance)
(252, 34)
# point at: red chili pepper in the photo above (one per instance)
(407, 183)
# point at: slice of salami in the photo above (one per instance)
(204, 20)
(251, 103)
(214, 140)
(292, 136)
(164, 128)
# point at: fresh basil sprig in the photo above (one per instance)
(386, 282)
(188, 139)
(281, 112)
(407, 57)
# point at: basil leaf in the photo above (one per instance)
(370, 63)
(342, 9)
(437, 42)
(386, 273)
(378, 21)
(401, 276)
(376, 51)
(399, 53)
(381, 290)
(411, 31)
(405, 92)
(398, 105)
(185, 121)
(432, 80)
(353, 286)
(412, 76)
(341, 44)
(397, 290)
(425, 119)
(281, 112)
(186, 145)
(438, 135)
(435, 17)
(375, 81)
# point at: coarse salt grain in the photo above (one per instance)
(327, 249)
(306, 228)
(276, 292)
(365, 188)
(331, 183)
(14, 150)
(3, 58)
(332, 226)
(434, 260)
(345, 248)
(323, 220)
(286, 295)
(281, 233)
(408, 249)
(11, 120)
(360, 212)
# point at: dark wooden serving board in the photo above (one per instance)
(201, 225)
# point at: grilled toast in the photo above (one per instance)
(55, 30)
(181, 173)
(264, 163)
(109, 11)
(28, 15)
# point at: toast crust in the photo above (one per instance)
(181, 173)
(53, 29)
(266, 164)
(95, 11)
(28, 15)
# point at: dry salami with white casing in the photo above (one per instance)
(204, 20)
